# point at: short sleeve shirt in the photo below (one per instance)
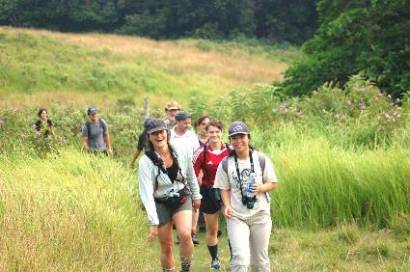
(209, 163)
(95, 132)
(229, 181)
(185, 144)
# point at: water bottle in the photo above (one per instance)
(249, 194)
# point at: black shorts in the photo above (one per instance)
(208, 204)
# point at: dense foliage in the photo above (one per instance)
(342, 152)
(283, 20)
(371, 37)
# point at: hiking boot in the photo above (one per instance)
(216, 264)
(195, 240)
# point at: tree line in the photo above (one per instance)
(293, 21)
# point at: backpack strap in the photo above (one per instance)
(225, 164)
(102, 124)
(262, 161)
(158, 163)
(204, 157)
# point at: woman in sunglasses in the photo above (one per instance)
(169, 192)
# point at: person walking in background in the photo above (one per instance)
(43, 126)
(200, 126)
(185, 141)
(182, 137)
(141, 144)
(245, 177)
(206, 160)
(171, 109)
(96, 137)
(169, 192)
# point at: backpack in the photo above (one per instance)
(101, 121)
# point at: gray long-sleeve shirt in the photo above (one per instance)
(146, 176)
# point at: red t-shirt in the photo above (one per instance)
(209, 166)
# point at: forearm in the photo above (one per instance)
(85, 143)
(226, 197)
(107, 139)
(266, 187)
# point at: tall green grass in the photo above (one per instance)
(71, 212)
(323, 185)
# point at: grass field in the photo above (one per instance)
(342, 156)
(73, 212)
(48, 67)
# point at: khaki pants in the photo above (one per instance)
(249, 240)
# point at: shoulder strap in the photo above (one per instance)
(101, 121)
(103, 124)
(225, 164)
(158, 163)
(88, 124)
(262, 161)
(204, 157)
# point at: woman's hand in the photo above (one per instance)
(228, 212)
(266, 187)
(257, 188)
(153, 233)
(196, 204)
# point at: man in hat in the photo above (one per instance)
(96, 137)
(171, 109)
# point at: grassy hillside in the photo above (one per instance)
(73, 67)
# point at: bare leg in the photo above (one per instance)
(165, 240)
(195, 217)
(183, 224)
(211, 221)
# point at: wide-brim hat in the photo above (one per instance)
(172, 105)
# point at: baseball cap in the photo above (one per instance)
(238, 127)
(91, 110)
(172, 105)
(181, 116)
(152, 125)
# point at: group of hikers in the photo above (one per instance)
(182, 174)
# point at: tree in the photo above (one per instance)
(370, 37)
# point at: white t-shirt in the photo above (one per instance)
(187, 143)
(229, 181)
